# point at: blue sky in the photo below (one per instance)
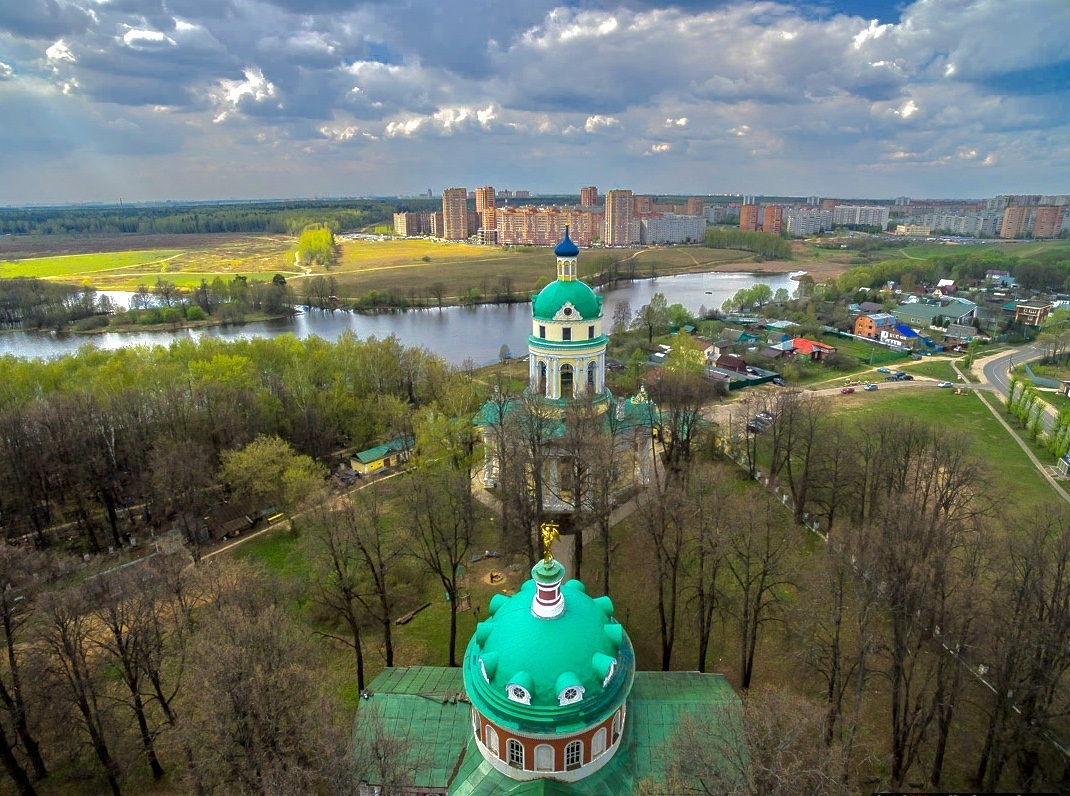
(191, 99)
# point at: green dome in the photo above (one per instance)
(580, 648)
(555, 295)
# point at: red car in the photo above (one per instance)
(847, 390)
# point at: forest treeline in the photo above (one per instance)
(765, 244)
(27, 303)
(284, 218)
(105, 444)
(1040, 270)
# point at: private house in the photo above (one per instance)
(784, 350)
(731, 362)
(999, 278)
(1032, 313)
(900, 336)
(924, 312)
(393, 453)
(945, 287)
(872, 325)
(811, 349)
(957, 334)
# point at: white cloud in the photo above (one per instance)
(6, 72)
(681, 122)
(660, 148)
(60, 52)
(598, 122)
(146, 39)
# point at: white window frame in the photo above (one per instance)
(575, 750)
(514, 753)
(490, 739)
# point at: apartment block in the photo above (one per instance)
(860, 215)
(671, 228)
(618, 224)
(589, 196)
(642, 204)
(455, 214)
(696, 206)
(1015, 222)
(1046, 221)
(411, 224)
(773, 219)
(748, 218)
(807, 222)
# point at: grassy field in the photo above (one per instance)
(409, 266)
(75, 267)
(186, 261)
(1011, 469)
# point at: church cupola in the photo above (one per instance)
(567, 254)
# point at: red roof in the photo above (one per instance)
(809, 346)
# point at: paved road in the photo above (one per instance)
(996, 370)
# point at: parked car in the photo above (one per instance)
(907, 377)
(945, 384)
(883, 370)
(754, 427)
(764, 415)
(847, 390)
(779, 382)
(870, 387)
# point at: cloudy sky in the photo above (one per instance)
(192, 99)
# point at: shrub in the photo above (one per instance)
(149, 317)
(172, 315)
(195, 313)
(92, 322)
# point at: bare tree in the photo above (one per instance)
(756, 562)
(442, 513)
(772, 747)
(67, 633)
(661, 518)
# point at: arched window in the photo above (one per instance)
(490, 739)
(566, 382)
(573, 755)
(616, 725)
(514, 752)
(598, 743)
(592, 370)
(544, 757)
(542, 379)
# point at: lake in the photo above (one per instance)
(454, 333)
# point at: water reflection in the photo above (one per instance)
(454, 333)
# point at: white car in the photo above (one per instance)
(945, 384)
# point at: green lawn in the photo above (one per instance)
(933, 368)
(76, 266)
(1012, 469)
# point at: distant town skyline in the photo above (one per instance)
(249, 99)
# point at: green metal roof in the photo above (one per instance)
(424, 706)
(514, 646)
(412, 704)
(546, 304)
(374, 454)
(659, 700)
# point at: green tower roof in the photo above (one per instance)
(546, 304)
(579, 648)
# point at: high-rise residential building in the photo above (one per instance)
(410, 224)
(484, 198)
(813, 201)
(1046, 221)
(902, 201)
(455, 214)
(829, 204)
(748, 199)
(773, 219)
(696, 206)
(1015, 221)
(619, 219)
(642, 204)
(748, 218)
(589, 196)
(808, 222)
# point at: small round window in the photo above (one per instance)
(571, 694)
(568, 310)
